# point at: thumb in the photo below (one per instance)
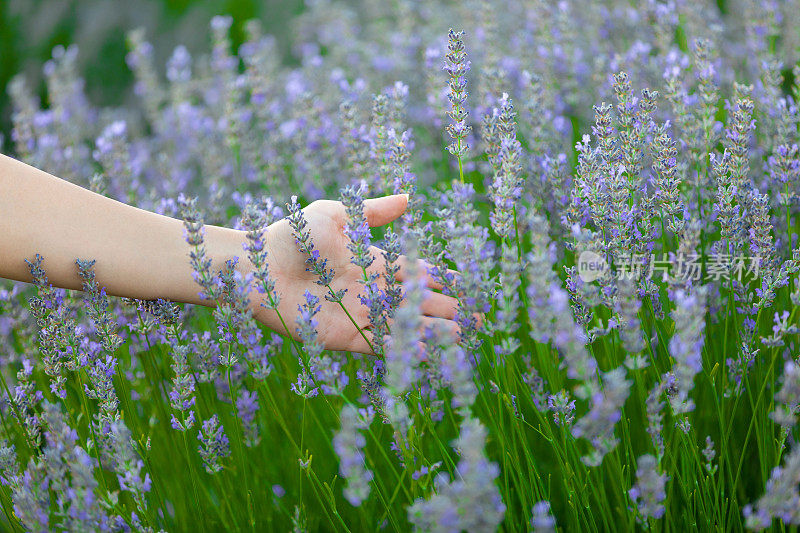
(380, 211)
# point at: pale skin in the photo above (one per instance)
(140, 254)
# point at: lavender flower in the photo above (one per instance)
(54, 327)
(380, 141)
(403, 349)
(456, 369)
(562, 408)
(102, 368)
(201, 265)
(686, 346)
(788, 398)
(29, 493)
(307, 325)
(330, 374)
(304, 385)
(655, 417)
(457, 67)
(708, 454)
(357, 231)
(214, 445)
(247, 407)
(628, 306)
(648, 494)
(506, 187)
(542, 520)
(356, 228)
(597, 426)
(128, 464)
(182, 397)
(470, 501)
(782, 497)
(254, 220)
(393, 293)
(70, 471)
(349, 445)
(316, 264)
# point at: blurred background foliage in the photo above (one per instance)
(29, 29)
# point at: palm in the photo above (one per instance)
(335, 328)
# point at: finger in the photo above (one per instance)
(359, 345)
(438, 305)
(424, 269)
(381, 211)
(440, 329)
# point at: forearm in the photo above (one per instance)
(139, 254)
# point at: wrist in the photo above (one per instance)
(221, 245)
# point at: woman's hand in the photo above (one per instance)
(287, 267)
(140, 254)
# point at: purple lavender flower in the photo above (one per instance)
(403, 349)
(304, 385)
(506, 186)
(181, 397)
(597, 426)
(214, 445)
(128, 465)
(54, 328)
(307, 325)
(316, 264)
(655, 416)
(179, 65)
(686, 345)
(542, 520)
(404, 180)
(781, 499)
(457, 67)
(70, 471)
(247, 407)
(788, 398)
(29, 492)
(562, 408)
(649, 493)
(254, 220)
(349, 444)
(456, 369)
(25, 401)
(201, 265)
(393, 294)
(330, 374)
(469, 502)
(356, 228)
(709, 453)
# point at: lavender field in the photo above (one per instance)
(609, 190)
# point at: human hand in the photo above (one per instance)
(288, 268)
